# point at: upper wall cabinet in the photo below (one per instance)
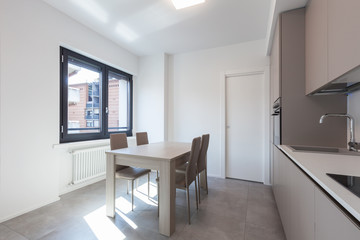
(332, 39)
(316, 55)
(275, 65)
(343, 36)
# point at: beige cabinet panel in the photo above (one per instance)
(302, 127)
(316, 45)
(305, 211)
(294, 195)
(302, 206)
(285, 193)
(275, 184)
(343, 36)
(331, 223)
(275, 65)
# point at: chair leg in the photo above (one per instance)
(132, 195)
(198, 178)
(196, 195)
(207, 189)
(148, 185)
(188, 203)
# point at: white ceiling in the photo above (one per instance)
(147, 27)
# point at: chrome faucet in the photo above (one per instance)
(353, 145)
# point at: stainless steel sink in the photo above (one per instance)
(315, 149)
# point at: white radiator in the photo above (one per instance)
(88, 163)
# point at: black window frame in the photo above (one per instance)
(105, 69)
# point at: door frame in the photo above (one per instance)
(265, 71)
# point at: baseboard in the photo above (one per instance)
(215, 176)
(29, 209)
(70, 188)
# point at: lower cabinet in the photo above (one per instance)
(331, 223)
(294, 195)
(302, 205)
(305, 211)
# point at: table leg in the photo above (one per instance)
(167, 198)
(110, 185)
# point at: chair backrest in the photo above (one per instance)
(201, 165)
(118, 141)
(141, 138)
(194, 156)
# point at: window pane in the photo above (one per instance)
(118, 102)
(84, 97)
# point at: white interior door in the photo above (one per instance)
(245, 127)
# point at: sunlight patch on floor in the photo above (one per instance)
(143, 188)
(141, 194)
(126, 219)
(102, 226)
(124, 205)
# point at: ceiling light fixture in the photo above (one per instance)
(179, 4)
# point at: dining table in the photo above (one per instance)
(161, 156)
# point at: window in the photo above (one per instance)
(96, 99)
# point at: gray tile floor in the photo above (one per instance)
(233, 210)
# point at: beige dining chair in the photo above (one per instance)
(142, 138)
(184, 179)
(202, 162)
(118, 141)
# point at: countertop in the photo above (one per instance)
(316, 165)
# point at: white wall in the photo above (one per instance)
(30, 35)
(195, 92)
(354, 110)
(150, 94)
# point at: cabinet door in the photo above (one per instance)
(302, 206)
(275, 185)
(331, 223)
(294, 195)
(316, 49)
(275, 65)
(284, 189)
(343, 36)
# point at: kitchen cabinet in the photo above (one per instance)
(305, 211)
(316, 50)
(331, 223)
(343, 36)
(275, 65)
(300, 114)
(294, 195)
(281, 189)
(276, 173)
(332, 39)
(302, 205)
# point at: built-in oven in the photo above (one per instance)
(276, 119)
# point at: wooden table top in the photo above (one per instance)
(160, 150)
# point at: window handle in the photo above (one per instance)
(106, 110)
